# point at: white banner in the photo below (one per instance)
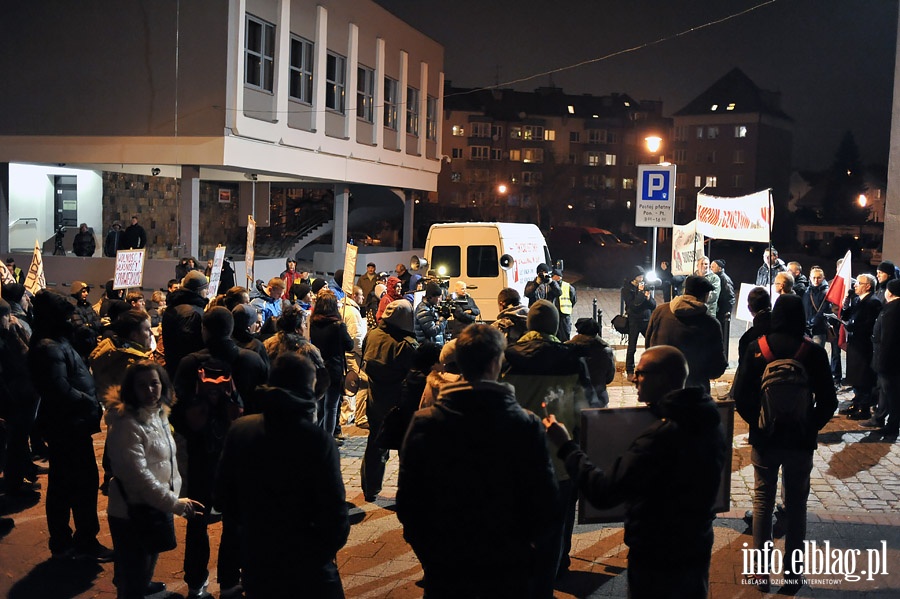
(129, 269)
(35, 280)
(216, 275)
(746, 218)
(6, 277)
(687, 244)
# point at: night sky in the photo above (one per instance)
(832, 60)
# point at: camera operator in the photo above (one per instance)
(430, 323)
(463, 310)
(542, 287)
(639, 304)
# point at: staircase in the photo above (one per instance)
(310, 234)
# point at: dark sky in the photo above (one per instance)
(832, 60)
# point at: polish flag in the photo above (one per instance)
(837, 293)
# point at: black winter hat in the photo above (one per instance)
(543, 317)
(887, 267)
(432, 289)
(697, 286)
(218, 323)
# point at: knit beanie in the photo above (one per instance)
(195, 280)
(399, 314)
(318, 284)
(448, 352)
(543, 317)
(637, 271)
(13, 292)
(244, 315)
(218, 323)
(697, 286)
(887, 267)
(432, 289)
(300, 290)
(587, 326)
(894, 287)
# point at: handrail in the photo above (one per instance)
(26, 219)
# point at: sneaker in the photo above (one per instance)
(155, 587)
(95, 551)
(235, 592)
(196, 593)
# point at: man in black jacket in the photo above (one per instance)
(886, 362)
(725, 301)
(134, 237)
(292, 525)
(181, 319)
(670, 542)
(476, 489)
(789, 449)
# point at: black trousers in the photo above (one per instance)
(72, 484)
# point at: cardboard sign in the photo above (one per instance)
(129, 269)
(216, 275)
(607, 433)
(35, 280)
(251, 242)
(349, 269)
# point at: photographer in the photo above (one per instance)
(639, 303)
(463, 309)
(542, 287)
(429, 324)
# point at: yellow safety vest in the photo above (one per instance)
(565, 300)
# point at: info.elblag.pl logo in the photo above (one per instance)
(817, 561)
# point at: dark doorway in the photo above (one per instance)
(65, 188)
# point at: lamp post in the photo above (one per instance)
(654, 142)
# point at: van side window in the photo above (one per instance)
(448, 258)
(482, 261)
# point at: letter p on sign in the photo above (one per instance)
(656, 185)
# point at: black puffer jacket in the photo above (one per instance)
(69, 405)
(668, 479)
(181, 325)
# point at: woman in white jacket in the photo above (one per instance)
(142, 455)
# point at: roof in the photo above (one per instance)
(735, 93)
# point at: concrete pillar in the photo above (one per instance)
(189, 217)
(4, 207)
(341, 209)
(891, 243)
(409, 205)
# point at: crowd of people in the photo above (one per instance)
(229, 408)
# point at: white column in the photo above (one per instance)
(283, 60)
(350, 90)
(423, 108)
(378, 129)
(321, 46)
(341, 205)
(404, 81)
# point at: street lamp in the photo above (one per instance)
(653, 143)
(862, 200)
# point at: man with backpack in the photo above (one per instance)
(212, 386)
(783, 390)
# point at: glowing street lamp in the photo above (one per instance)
(653, 143)
(862, 200)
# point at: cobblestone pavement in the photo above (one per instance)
(853, 505)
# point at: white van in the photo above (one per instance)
(488, 257)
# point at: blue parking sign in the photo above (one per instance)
(655, 185)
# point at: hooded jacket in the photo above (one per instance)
(181, 326)
(388, 353)
(513, 321)
(668, 479)
(284, 520)
(685, 323)
(141, 451)
(479, 461)
(390, 294)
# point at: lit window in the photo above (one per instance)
(698, 181)
(714, 107)
(533, 132)
(550, 135)
(627, 104)
(259, 54)
(515, 155)
(301, 71)
(610, 160)
(730, 106)
(515, 133)
(627, 183)
(740, 131)
(457, 131)
(711, 181)
(412, 111)
(365, 94)
(533, 155)
(571, 109)
(335, 81)
(699, 132)
(391, 103)
(592, 158)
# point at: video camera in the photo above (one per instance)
(450, 305)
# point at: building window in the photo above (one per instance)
(496, 154)
(629, 159)
(680, 180)
(698, 181)
(456, 131)
(456, 177)
(533, 132)
(301, 71)
(531, 179)
(592, 181)
(711, 181)
(480, 129)
(479, 153)
(515, 132)
(609, 182)
(550, 135)
(431, 120)
(740, 131)
(515, 155)
(680, 156)
(597, 136)
(711, 157)
(496, 131)
(712, 133)
(391, 102)
(738, 181)
(259, 54)
(627, 183)
(699, 132)
(573, 159)
(739, 157)
(610, 160)
(335, 82)
(456, 153)
(365, 94)
(592, 158)
(680, 133)
(575, 137)
(532, 155)
(412, 111)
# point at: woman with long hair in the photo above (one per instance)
(328, 332)
(142, 456)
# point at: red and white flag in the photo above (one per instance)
(837, 293)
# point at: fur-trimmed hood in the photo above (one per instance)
(116, 409)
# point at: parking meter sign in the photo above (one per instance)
(655, 196)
